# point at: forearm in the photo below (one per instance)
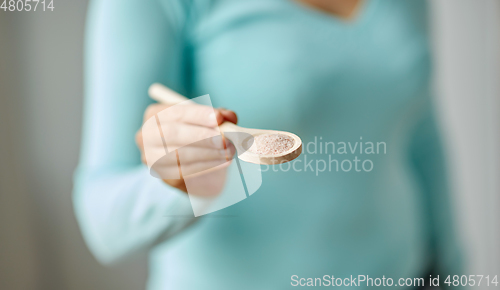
(119, 205)
(429, 159)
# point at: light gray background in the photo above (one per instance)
(40, 115)
(467, 50)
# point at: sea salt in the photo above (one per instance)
(271, 144)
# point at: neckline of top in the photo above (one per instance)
(361, 15)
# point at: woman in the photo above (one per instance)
(335, 71)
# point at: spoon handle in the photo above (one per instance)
(164, 95)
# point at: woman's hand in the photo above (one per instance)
(198, 153)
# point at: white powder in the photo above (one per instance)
(271, 144)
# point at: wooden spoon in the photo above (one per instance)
(242, 142)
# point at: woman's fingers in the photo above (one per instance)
(174, 171)
(194, 142)
(191, 154)
(177, 135)
(202, 167)
(192, 114)
(190, 129)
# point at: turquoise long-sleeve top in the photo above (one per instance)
(279, 65)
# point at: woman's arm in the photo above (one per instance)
(129, 46)
(429, 160)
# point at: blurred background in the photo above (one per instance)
(40, 118)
